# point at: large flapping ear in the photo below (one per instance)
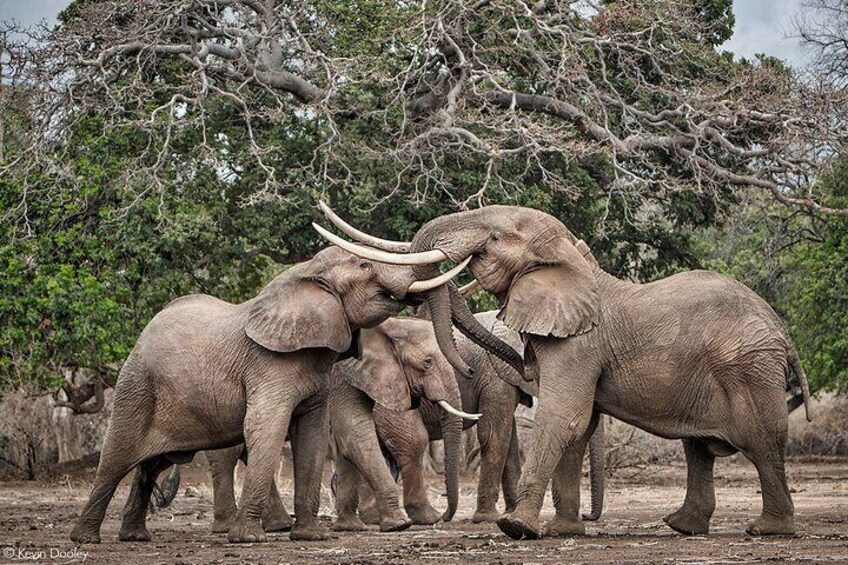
(380, 374)
(557, 294)
(294, 313)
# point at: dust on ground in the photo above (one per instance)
(35, 518)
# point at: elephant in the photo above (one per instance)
(695, 356)
(208, 374)
(401, 362)
(406, 438)
(400, 365)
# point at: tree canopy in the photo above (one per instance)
(153, 149)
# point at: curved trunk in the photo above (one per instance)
(471, 327)
(446, 305)
(440, 313)
(164, 493)
(452, 435)
(597, 473)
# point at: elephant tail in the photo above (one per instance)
(795, 364)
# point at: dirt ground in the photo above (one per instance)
(35, 519)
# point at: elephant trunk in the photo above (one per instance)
(597, 473)
(452, 435)
(438, 303)
(468, 324)
(447, 306)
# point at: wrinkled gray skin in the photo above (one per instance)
(407, 438)
(695, 356)
(207, 374)
(410, 350)
(400, 365)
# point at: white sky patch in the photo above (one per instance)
(765, 26)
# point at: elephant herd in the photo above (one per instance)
(320, 353)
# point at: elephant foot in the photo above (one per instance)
(485, 516)
(424, 515)
(80, 534)
(134, 533)
(349, 524)
(564, 527)
(247, 531)
(309, 532)
(688, 523)
(281, 523)
(767, 525)
(518, 528)
(221, 526)
(395, 522)
(369, 515)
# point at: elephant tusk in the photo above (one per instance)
(362, 237)
(430, 284)
(451, 410)
(470, 289)
(422, 258)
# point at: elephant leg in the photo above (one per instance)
(368, 511)
(347, 496)
(563, 418)
(356, 441)
(698, 506)
(512, 471)
(308, 433)
(778, 515)
(494, 435)
(410, 459)
(133, 525)
(565, 487)
(276, 518)
(264, 434)
(222, 463)
(115, 463)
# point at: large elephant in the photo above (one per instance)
(696, 356)
(400, 365)
(208, 374)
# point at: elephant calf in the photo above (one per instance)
(495, 391)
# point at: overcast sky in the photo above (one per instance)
(761, 25)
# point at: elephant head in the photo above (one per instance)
(445, 303)
(401, 364)
(543, 275)
(325, 301)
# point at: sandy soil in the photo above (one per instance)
(35, 519)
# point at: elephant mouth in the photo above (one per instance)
(387, 297)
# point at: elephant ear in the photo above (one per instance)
(296, 313)
(380, 374)
(556, 295)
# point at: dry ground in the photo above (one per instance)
(35, 519)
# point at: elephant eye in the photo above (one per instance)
(495, 236)
(428, 362)
(365, 265)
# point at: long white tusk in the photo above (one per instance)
(429, 284)
(422, 258)
(470, 289)
(451, 410)
(362, 237)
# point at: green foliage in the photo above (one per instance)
(800, 266)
